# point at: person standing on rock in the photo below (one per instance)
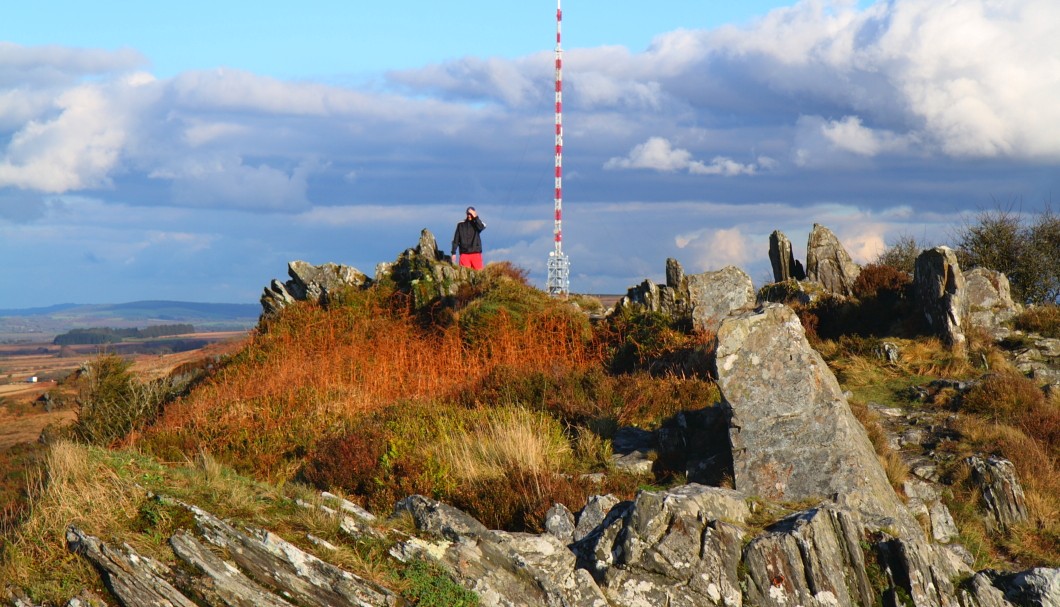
(467, 241)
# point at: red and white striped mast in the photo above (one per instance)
(558, 263)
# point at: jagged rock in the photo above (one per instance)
(132, 578)
(811, 558)
(271, 561)
(355, 521)
(792, 433)
(980, 591)
(675, 274)
(1000, 491)
(1039, 587)
(559, 521)
(427, 273)
(988, 300)
(535, 570)
(428, 246)
(309, 283)
(926, 501)
(226, 585)
(939, 287)
(888, 351)
(593, 514)
(679, 548)
(713, 295)
(925, 573)
(645, 295)
(785, 267)
(828, 263)
(699, 299)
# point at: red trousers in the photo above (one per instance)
(471, 260)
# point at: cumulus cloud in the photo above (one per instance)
(80, 146)
(658, 154)
(820, 142)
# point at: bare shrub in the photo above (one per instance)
(1025, 250)
(901, 254)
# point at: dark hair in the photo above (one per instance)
(469, 209)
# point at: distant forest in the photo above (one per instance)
(107, 335)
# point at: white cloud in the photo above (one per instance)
(228, 181)
(75, 150)
(658, 154)
(820, 142)
(33, 66)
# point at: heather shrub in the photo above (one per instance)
(881, 281)
(572, 395)
(1003, 397)
(348, 461)
(519, 499)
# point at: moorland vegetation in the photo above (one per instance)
(497, 399)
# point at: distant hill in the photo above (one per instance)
(64, 317)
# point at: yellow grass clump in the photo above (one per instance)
(505, 439)
(72, 487)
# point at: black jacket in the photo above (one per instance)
(466, 238)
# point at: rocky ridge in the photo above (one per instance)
(810, 518)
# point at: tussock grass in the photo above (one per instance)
(504, 439)
(73, 487)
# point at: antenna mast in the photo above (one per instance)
(558, 263)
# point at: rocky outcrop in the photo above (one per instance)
(1001, 494)
(504, 569)
(134, 579)
(988, 300)
(781, 257)
(701, 300)
(425, 272)
(792, 433)
(1038, 357)
(259, 569)
(713, 295)
(309, 283)
(939, 290)
(679, 547)
(828, 263)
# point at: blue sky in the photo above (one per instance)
(190, 151)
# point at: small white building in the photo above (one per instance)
(32, 380)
